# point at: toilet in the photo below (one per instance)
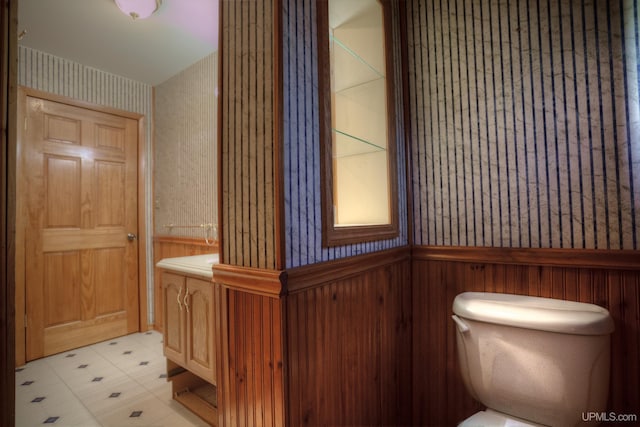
(532, 361)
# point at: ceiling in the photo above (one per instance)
(96, 33)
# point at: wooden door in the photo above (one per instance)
(172, 298)
(199, 306)
(80, 181)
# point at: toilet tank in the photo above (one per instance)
(540, 359)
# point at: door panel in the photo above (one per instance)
(80, 176)
(62, 274)
(62, 129)
(62, 191)
(173, 315)
(200, 355)
(110, 179)
(111, 291)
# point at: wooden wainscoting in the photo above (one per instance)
(607, 278)
(169, 247)
(348, 332)
(250, 346)
(321, 345)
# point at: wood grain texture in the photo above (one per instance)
(333, 350)
(190, 312)
(174, 334)
(589, 258)
(108, 141)
(170, 247)
(8, 72)
(251, 389)
(200, 311)
(254, 280)
(61, 80)
(348, 345)
(80, 202)
(439, 396)
(314, 275)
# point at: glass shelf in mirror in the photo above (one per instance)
(358, 134)
(359, 116)
(358, 30)
(352, 69)
(348, 145)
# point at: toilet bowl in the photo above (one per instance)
(489, 418)
(532, 361)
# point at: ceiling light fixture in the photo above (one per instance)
(138, 9)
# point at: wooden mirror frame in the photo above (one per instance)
(333, 235)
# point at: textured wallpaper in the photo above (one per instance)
(525, 123)
(248, 85)
(185, 153)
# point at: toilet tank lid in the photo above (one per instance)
(545, 314)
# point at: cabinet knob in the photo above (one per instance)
(131, 237)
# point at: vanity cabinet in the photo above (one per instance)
(188, 332)
(189, 311)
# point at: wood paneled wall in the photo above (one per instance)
(170, 247)
(251, 391)
(348, 332)
(327, 344)
(439, 396)
(250, 347)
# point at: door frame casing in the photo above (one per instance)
(20, 261)
(8, 77)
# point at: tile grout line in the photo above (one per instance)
(96, 355)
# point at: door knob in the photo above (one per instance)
(131, 237)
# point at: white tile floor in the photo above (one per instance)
(119, 382)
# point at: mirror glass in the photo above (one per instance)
(360, 148)
(358, 112)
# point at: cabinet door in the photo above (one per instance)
(199, 311)
(173, 295)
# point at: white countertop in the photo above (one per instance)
(198, 265)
